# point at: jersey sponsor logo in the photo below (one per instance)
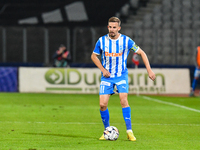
(113, 54)
(135, 47)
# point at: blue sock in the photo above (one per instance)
(127, 117)
(105, 118)
(194, 83)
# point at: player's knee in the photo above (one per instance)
(103, 106)
(124, 103)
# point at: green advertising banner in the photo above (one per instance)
(87, 80)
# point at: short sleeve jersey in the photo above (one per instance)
(114, 53)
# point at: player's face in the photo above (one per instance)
(113, 29)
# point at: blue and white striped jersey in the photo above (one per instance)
(114, 53)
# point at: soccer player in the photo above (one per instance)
(114, 49)
(196, 72)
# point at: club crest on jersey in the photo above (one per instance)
(121, 48)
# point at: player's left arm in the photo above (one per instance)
(151, 74)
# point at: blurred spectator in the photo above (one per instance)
(196, 72)
(62, 57)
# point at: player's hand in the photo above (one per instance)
(152, 75)
(64, 55)
(106, 73)
(59, 51)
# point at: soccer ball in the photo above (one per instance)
(111, 133)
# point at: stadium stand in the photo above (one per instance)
(166, 29)
(11, 11)
(177, 21)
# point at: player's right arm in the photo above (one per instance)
(97, 51)
(97, 62)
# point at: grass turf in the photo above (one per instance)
(67, 121)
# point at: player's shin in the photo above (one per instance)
(127, 117)
(105, 118)
(194, 83)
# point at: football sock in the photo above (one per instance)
(129, 131)
(194, 83)
(105, 118)
(127, 117)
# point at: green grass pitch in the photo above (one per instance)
(67, 121)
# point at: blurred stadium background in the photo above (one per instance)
(30, 31)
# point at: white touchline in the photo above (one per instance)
(95, 123)
(169, 103)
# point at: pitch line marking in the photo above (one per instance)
(172, 104)
(93, 123)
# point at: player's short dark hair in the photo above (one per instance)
(115, 19)
(62, 45)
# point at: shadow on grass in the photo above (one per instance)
(76, 136)
(62, 135)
